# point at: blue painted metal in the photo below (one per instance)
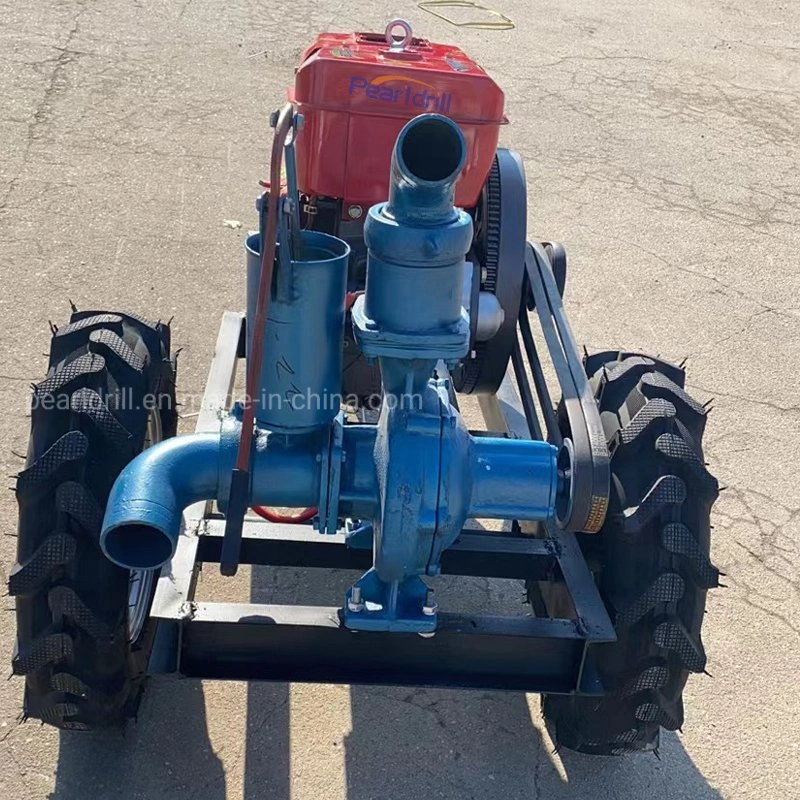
(512, 479)
(331, 522)
(423, 460)
(301, 374)
(358, 535)
(432, 474)
(327, 519)
(143, 516)
(373, 604)
(411, 308)
(415, 477)
(358, 489)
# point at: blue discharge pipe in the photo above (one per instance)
(411, 311)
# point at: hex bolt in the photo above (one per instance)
(355, 603)
(430, 607)
(355, 212)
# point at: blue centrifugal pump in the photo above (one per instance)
(390, 279)
(410, 481)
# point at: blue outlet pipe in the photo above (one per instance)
(417, 241)
(428, 157)
(143, 516)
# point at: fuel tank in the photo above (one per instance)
(356, 91)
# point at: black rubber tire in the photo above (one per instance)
(89, 418)
(652, 556)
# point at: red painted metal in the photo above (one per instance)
(356, 93)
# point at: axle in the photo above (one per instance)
(412, 480)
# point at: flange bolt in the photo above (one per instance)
(430, 607)
(355, 603)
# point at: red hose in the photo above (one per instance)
(256, 353)
(291, 519)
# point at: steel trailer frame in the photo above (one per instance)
(245, 641)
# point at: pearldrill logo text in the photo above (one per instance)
(419, 95)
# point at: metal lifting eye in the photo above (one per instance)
(402, 42)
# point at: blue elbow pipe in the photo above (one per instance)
(427, 159)
(143, 516)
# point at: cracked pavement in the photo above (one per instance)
(662, 144)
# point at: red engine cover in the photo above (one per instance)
(356, 93)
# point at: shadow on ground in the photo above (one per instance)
(481, 746)
(443, 744)
(166, 753)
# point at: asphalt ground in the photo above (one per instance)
(662, 143)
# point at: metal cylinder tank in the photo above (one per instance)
(300, 383)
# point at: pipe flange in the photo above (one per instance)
(374, 342)
(327, 520)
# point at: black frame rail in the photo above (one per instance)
(245, 641)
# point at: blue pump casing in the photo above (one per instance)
(413, 479)
(410, 317)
